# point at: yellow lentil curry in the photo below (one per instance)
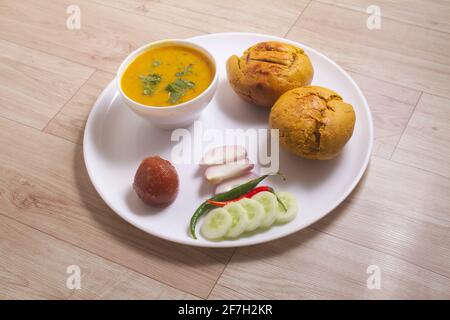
(167, 75)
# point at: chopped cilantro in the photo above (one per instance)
(149, 83)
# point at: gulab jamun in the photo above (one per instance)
(156, 181)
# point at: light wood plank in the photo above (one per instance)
(391, 107)
(106, 36)
(425, 143)
(398, 210)
(219, 16)
(45, 185)
(397, 218)
(34, 266)
(429, 14)
(70, 121)
(398, 53)
(35, 85)
(313, 265)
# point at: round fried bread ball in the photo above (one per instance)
(313, 122)
(267, 70)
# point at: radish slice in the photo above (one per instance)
(219, 173)
(223, 154)
(232, 183)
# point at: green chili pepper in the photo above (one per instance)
(229, 195)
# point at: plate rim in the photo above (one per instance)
(249, 242)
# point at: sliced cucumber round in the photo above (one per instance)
(216, 224)
(270, 204)
(290, 202)
(255, 213)
(239, 219)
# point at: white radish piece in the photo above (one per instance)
(233, 183)
(224, 154)
(222, 172)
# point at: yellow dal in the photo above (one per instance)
(173, 59)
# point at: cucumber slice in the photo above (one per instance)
(270, 204)
(216, 224)
(255, 213)
(239, 219)
(290, 202)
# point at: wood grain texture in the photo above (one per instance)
(398, 217)
(391, 106)
(398, 210)
(398, 53)
(429, 14)
(70, 121)
(34, 266)
(49, 189)
(35, 85)
(313, 265)
(219, 16)
(106, 36)
(426, 142)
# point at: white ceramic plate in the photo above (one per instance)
(116, 140)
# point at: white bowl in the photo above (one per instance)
(176, 116)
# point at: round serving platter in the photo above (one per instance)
(116, 140)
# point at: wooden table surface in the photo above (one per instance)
(398, 217)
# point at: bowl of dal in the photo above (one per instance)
(168, 82)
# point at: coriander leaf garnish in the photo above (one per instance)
(185, 84)
(152, 78)
(186, 70)
(150, 82)
(156, 63)
(178, 88)
(174, 96)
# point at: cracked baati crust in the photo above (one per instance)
(268, 69)
(314, 122)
